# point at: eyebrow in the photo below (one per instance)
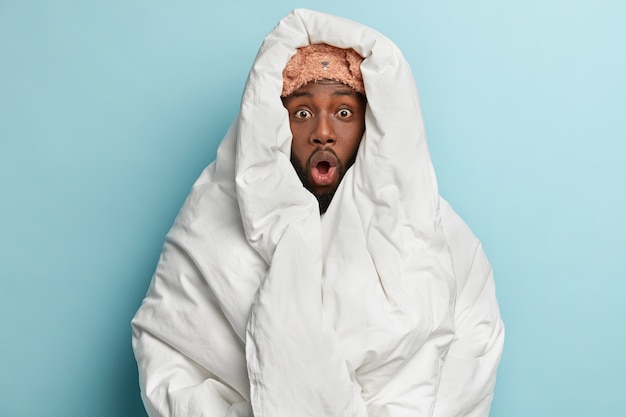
(346, 92)
(301, 94)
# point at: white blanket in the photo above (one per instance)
(383, 307)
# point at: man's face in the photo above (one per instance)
(327, 122)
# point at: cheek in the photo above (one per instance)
(299, 132)
(354, 139)
(298, 144)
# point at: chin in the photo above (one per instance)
(327, 189)
(324, 200)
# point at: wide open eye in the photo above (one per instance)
(344, 113)
(302, 114)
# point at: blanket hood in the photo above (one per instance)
(393, 167)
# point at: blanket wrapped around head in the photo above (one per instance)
(261, 307)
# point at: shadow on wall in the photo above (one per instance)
(124, 393)
(120, 382)
(128, 400)
(108, 381)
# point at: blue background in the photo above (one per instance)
(110, 110)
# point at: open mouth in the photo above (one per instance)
(323, 167)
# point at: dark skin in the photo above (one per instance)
(327, 121)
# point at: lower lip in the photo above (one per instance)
(326, 178)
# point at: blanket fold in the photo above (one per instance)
(384, 306)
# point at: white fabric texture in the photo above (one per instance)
(384, 307)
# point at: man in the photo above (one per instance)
(324, 95)
(361, 293)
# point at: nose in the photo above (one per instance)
(323, 132)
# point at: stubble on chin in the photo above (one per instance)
(323, 199)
